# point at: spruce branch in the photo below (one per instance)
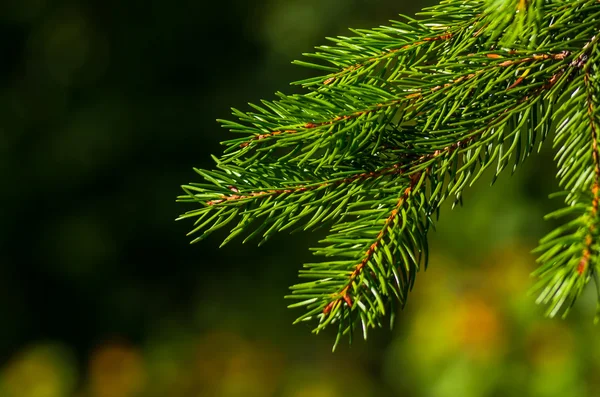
(404, 117)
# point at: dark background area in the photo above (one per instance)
(105, 108)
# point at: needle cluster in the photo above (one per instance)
(403, 117)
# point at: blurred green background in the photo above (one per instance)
(105, 107)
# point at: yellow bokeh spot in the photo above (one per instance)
(43, 370)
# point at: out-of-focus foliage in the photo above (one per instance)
(105, 106)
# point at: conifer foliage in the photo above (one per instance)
(403, 117)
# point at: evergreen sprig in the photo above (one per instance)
(404, 117)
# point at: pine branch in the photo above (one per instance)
(570, 253)
(406, 116)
